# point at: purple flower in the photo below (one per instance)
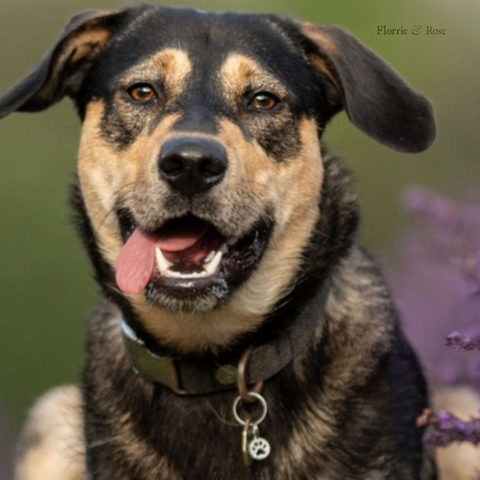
(430, 207)
(459, 341)
(435, 281)
(448, 232)
(444, 428)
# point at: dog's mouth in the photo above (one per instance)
(186, 256)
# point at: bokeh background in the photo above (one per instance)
(46, 290)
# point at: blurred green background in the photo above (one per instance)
(46, 290)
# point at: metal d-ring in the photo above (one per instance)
(257, 422)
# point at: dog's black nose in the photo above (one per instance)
(192, 165)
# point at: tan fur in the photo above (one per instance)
(171, 64)
(324, 66)
(139, 452)
(318, 35)
(77, 48)
(458, 461)
(58, 448)
(53, 438)
(90, 41)
(105, 173)
(81, 46)
(310, 433)
(240, 72)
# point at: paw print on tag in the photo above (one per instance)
(259, 449)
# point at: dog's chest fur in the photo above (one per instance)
(340, 411)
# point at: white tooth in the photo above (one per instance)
(209, 267)
(224, 248)
(230, 241)
(162, 263)
(209, 257)
(212, 266)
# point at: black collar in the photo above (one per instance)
(195, 377)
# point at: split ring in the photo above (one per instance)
(263, 403)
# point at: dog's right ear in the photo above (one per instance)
(63, 69)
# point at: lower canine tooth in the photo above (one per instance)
(212, 266)
(209, 257)
(162, 263)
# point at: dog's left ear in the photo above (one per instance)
(63, 68)
(376, 99)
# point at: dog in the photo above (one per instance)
(243, 330)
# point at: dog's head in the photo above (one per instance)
(200, 165)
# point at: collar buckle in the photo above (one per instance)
(149, 366)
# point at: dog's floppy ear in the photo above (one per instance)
(62, 69)
(376, 99)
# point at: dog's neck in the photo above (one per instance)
(266, 356)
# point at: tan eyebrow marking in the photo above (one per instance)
(239, 72)
(171, 64)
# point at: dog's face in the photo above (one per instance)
(197, 144)
(200, 163)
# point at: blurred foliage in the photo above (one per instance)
(46, 290)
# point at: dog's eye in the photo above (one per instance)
(264, 101)
(142, 93)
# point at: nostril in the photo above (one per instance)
(212, 167)
(172, 165)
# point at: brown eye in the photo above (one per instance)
(264, 101)
(142, 93)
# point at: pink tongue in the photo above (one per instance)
(136, 262)
(181, 239)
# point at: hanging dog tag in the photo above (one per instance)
(253, 446)
(258, 448)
